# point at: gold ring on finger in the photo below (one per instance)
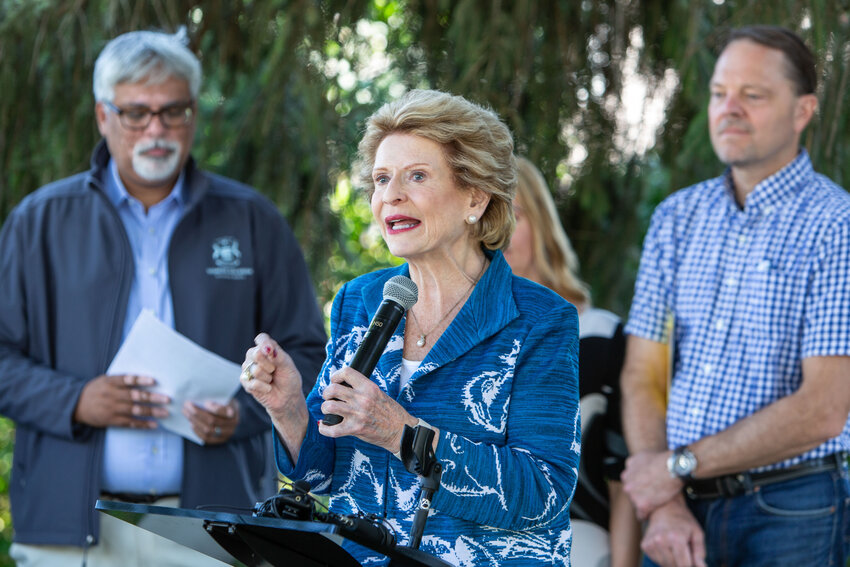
(247, 373)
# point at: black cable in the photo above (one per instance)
(367, 529)
(292, 502)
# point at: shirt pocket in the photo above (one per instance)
(774, 297)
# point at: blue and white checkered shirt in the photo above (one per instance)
(752, 292)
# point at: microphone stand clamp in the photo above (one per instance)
(417, 454)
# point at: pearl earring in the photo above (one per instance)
(471, 219)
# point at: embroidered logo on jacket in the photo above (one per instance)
(228, 259)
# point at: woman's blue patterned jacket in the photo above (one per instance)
(501, 384)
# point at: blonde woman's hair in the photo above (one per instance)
(477, 145)
(554, 257)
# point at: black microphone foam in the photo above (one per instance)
(400, 293)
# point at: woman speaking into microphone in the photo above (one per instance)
(486, 360)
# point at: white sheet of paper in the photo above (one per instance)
(183, 369)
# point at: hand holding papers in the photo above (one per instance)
(184, 371)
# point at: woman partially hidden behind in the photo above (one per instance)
(485, 359)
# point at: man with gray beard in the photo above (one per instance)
(80, 259)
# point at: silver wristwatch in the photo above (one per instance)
(682, 463)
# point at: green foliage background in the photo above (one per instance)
(288, 85)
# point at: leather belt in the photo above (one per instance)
(140, 498)
(732, 485)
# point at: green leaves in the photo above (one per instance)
(607, 97)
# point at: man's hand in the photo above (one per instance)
(120, 401)
(673, 537)
(648, 482)
(212, 422)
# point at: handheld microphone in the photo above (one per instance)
(400, 293)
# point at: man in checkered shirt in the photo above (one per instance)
(741, 461)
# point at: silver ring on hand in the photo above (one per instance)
(248, 373)
(217, 431)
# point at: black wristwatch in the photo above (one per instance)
(682, 463)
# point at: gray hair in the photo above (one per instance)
(148, 56)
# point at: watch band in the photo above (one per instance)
(675, 461)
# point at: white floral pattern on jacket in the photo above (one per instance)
(501, 384)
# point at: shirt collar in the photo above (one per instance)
(776, 189)
(118, 195)
(481, 316)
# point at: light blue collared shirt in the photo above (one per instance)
(145, 461)
(754, 291)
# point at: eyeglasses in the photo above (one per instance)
(139, 117)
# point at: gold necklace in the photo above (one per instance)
(422, 335)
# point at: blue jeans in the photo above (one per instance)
(796, 523)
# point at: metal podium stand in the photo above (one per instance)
(244, 539)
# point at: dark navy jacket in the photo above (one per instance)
(65, 272)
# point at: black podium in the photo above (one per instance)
(238, 539)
